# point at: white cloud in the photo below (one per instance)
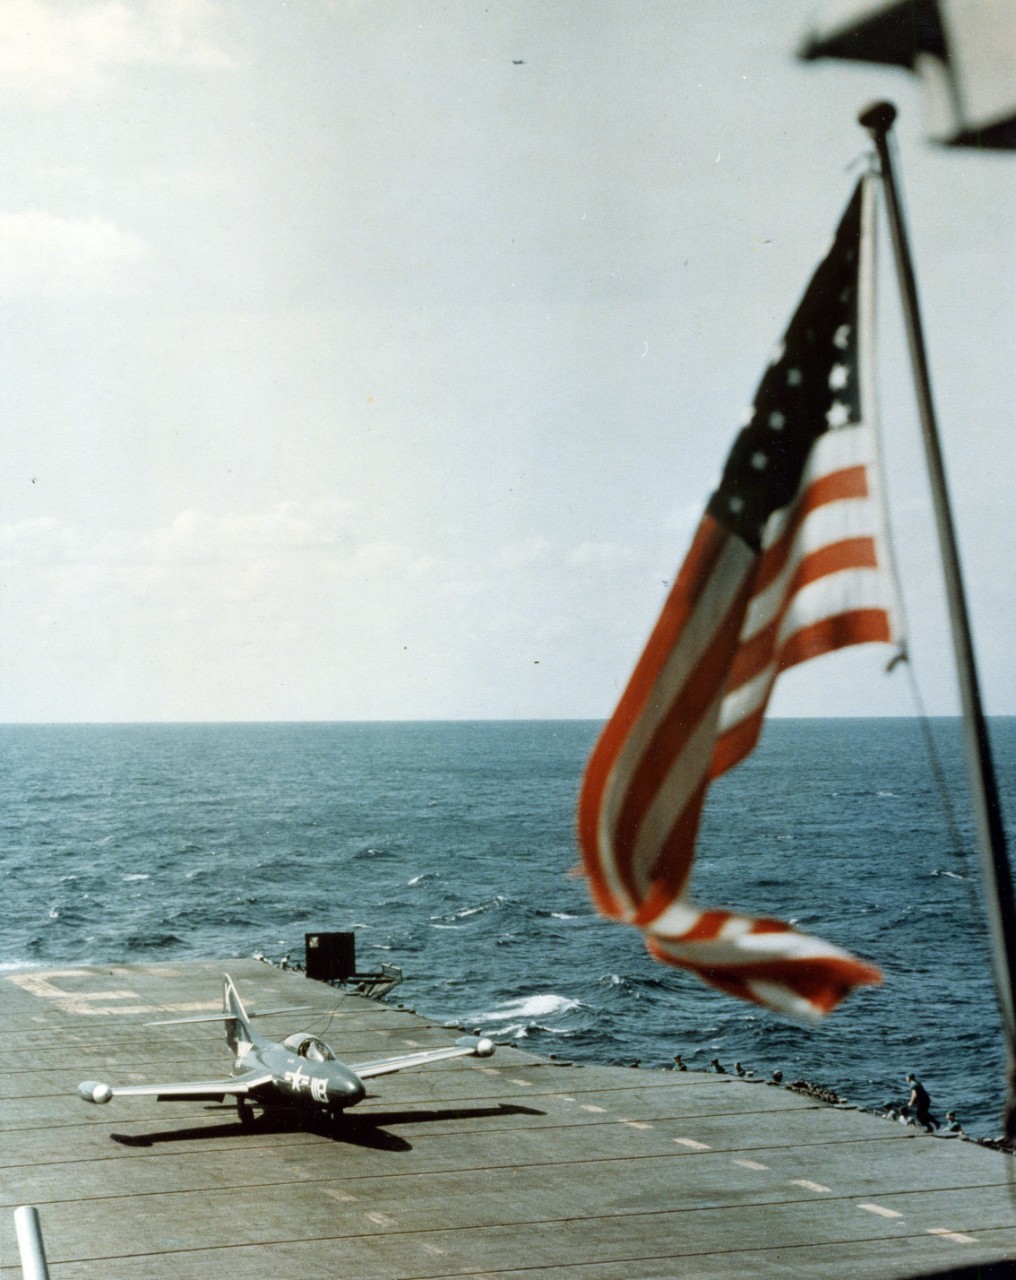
(40, 252)
(602, 556)
(50, 52)
(518, 555)
(298, 609)
(195, 535)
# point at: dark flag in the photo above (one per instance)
(790, 561)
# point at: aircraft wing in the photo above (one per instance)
(466, 1047)
(194, 1090)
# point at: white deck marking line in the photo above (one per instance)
(957, 1237)
(751, 1164)
(881, 1210)
(636, 1124)
(525, 1084)
(591, 1106)
(382, 1219)
(344, 1196)
(695, 1146)
(808, 1184)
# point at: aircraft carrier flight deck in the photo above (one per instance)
(508, 1166)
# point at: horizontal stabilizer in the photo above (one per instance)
(225, 1017)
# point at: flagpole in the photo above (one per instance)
(997, 875)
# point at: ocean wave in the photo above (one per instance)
(526, 1008)
(280, 849)
(465, 913)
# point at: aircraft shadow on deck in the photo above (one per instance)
(356, 1130)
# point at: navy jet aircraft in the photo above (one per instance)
(298, 1072)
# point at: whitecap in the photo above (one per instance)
(513, 1031)
(528, 1007)
(137, 875)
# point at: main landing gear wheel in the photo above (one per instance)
(245, 1112)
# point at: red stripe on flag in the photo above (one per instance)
(836, 486)
(672, 866)
(822, 981)
(697, 571)
(738, 742)
(859, 626)
(698, 694)
(756, 654)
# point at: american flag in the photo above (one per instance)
(789, 561)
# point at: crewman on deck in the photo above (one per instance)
(952, 1125)
(919, 1104)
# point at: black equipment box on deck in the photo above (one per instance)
(331, 957)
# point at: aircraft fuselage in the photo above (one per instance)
(301, 1081)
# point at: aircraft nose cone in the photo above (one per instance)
(353, 1091)
(346, 1091)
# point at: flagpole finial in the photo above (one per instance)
(878, 118)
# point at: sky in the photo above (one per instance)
(376, 361)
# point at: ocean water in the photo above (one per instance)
(449, 848)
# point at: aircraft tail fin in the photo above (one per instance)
(234, 1015)
(236, 1018)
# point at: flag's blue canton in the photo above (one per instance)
(810, 387)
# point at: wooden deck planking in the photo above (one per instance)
(517, 1166)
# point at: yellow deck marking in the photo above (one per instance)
(751, 1164)
(695, 1146)
(808, 1184)
(881, 1210)
(957, 1237)
(85, 1003)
